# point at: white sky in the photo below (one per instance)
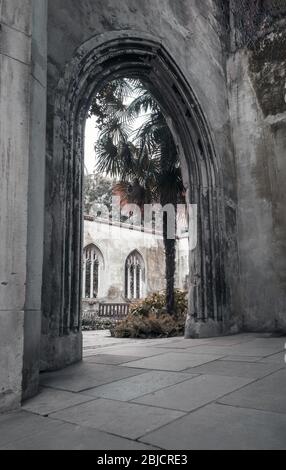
(91, 136)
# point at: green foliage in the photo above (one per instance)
(110, 100)
(97, 190)
(145, 159)
(146, 155)
(148, 318)
(155, 303)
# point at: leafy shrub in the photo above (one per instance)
(148, 318)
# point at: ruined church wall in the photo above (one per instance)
(22, 140)
(257, 85)
(117, 243)
(194, 33)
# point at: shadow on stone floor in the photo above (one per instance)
(219, 393)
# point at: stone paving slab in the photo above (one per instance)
(279, 358)
(269, 342)
(86, 375)
(231, 340)
(209, 349)
(173, 361)
(124, 419)
(217, 427)
(49, 400)
(171, 406)
(136, 351)
(18, 425)
(109, 359)
(181, 344)
(235, 369)
(194, 393)
(266, 394)
(252, 349)
(133, 387)
(242, 358)
(65, 436)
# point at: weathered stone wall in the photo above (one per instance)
(257, 81)
(117, 242)
(15, 59)
(22, 140)
(243, 99)
(195, 33)
(36, 198)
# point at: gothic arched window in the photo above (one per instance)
(92, 267)
(134, 274)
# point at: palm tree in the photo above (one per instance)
(145, 159)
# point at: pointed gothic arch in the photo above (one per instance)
(134, 276)
(99, 60)
(93, 266)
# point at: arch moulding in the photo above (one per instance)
(100, 59)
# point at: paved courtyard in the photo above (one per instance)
(219, 393)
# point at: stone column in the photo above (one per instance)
(36, 199)
(22, 142)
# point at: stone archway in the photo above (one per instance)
(97, 61)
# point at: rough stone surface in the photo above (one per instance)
(197, 43)
(72, 437)
(134, 387)
(18, 100)
(86, 375)
(116, 243)
(169, 410)
(50, 400)
(217, 427)
(173, 361)
(256, 76)
(227, 104)
(110, 359)
(25, 431)
(236, 369)
(267, 394)
(194, 393)
(124, 419)
(11, 359)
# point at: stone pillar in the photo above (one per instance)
(36, 198)
(22, 104)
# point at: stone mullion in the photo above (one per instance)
(91, 277)
(129, 282)
(140, 282)
(135, 280)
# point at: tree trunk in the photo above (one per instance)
(170, 267)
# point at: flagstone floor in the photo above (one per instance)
(218, 393)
